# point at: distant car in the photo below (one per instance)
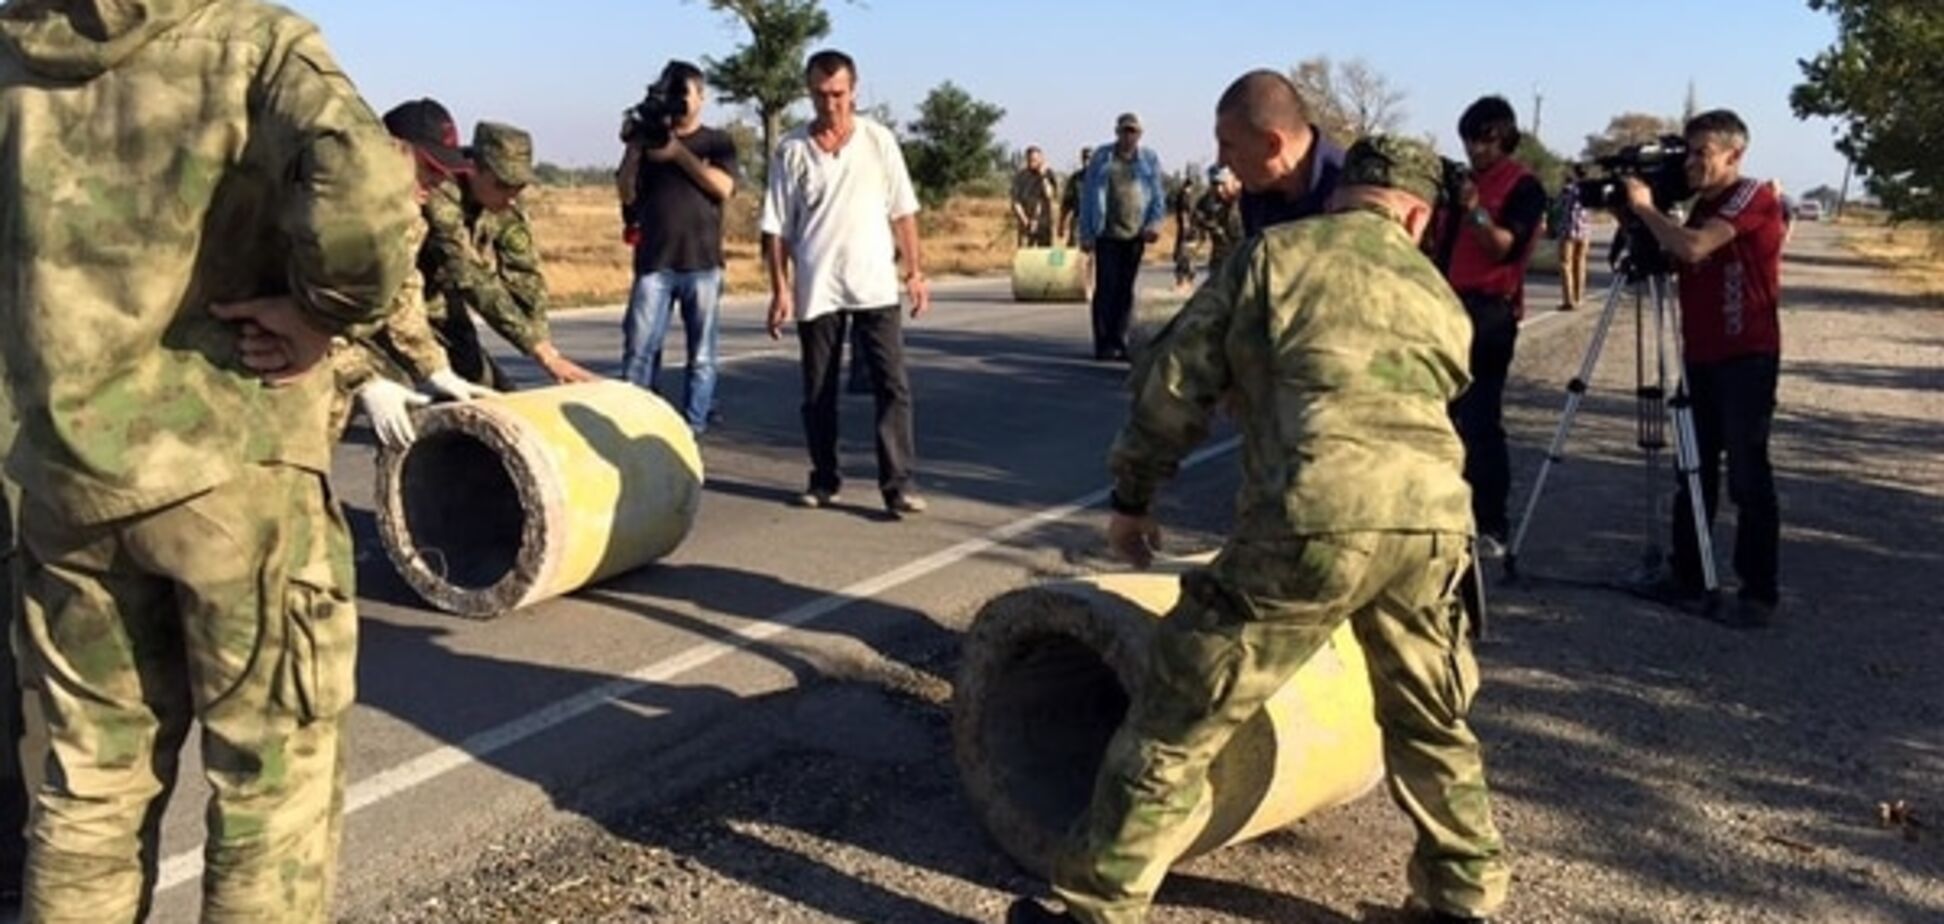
(1809, 211)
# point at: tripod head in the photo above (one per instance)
(1636, 255)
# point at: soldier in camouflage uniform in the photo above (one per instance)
(1182, 205)
(197, 200)
(1070, 201)
(478, 254)
(377, 370)
(1218, 215)
(1352, 507)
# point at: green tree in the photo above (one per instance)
(767, 73)
(1627, 129)
(1883, 81)
(950, 144)
(1549, 167)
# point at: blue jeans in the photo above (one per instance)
(645, 327)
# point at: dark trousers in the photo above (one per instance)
(468, 357)
(880, 345)
(1479, 413)
(1734, 408)
(1116, 264)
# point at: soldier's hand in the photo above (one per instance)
(389, 405)
(275, 338)
(782, 305)
(1150, 235)
(446, 383)
(1134, 538)
(564, 371)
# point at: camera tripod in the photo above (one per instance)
(1642, 270)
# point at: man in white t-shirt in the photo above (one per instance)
(838, 213)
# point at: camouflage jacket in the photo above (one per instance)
(156, 158)
(462, 264)
(1337, 346)
(1221, 223)
(403, 349)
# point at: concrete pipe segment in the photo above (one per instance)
(507, 501)
(1049, 274)
(1045, 681)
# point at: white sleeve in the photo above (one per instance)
(776, 197)
(898, 192)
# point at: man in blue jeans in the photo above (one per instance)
(672, 195)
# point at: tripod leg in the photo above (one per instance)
(1687, 451)
(1575, 394)
(1688, 458)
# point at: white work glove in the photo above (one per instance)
(446, 383)
(389, 405)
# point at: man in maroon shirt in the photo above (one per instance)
(1729, 255)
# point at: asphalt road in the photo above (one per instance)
(642, 689)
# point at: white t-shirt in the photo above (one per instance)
(834, 213)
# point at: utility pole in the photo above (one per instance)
(1842, 195)
(1538, 110)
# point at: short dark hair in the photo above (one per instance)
(1490, 117)
(1723, 122)
(829, 62)
(1265, 100)
(685, 72)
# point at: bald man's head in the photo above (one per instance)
(1266, 101)
(1262, 131)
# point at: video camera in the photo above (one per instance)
(650, 122)
(1661, 164)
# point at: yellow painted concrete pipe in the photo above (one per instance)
(1045, 681)
(507, 501)
(1050, 274)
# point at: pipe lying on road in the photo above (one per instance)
(1049, 274)
(506, 501)
(1045, 682)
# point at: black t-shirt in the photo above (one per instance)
(681, 224)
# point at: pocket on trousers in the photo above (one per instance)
(320, 652)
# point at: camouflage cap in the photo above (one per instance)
(1394, 163)
(505, 152)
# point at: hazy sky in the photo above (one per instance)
(565, 69)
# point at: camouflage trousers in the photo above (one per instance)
(1243, 627)
(232, 608)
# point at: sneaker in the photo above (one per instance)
(901, 503)
(1490, 547)
(815, 498)
(1033, 911)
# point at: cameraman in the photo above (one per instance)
(672, 196)
(1730, 257)
(1483, 246)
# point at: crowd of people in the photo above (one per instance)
(174, 385)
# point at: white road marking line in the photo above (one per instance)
(187, 866)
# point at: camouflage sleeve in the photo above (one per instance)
(519, 270)
(1176, 388)
(349, 197)
(466, 276)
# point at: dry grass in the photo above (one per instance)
(1915, 252)
(579, 232)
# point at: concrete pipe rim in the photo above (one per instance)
(480, 423)
(1085, 616)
